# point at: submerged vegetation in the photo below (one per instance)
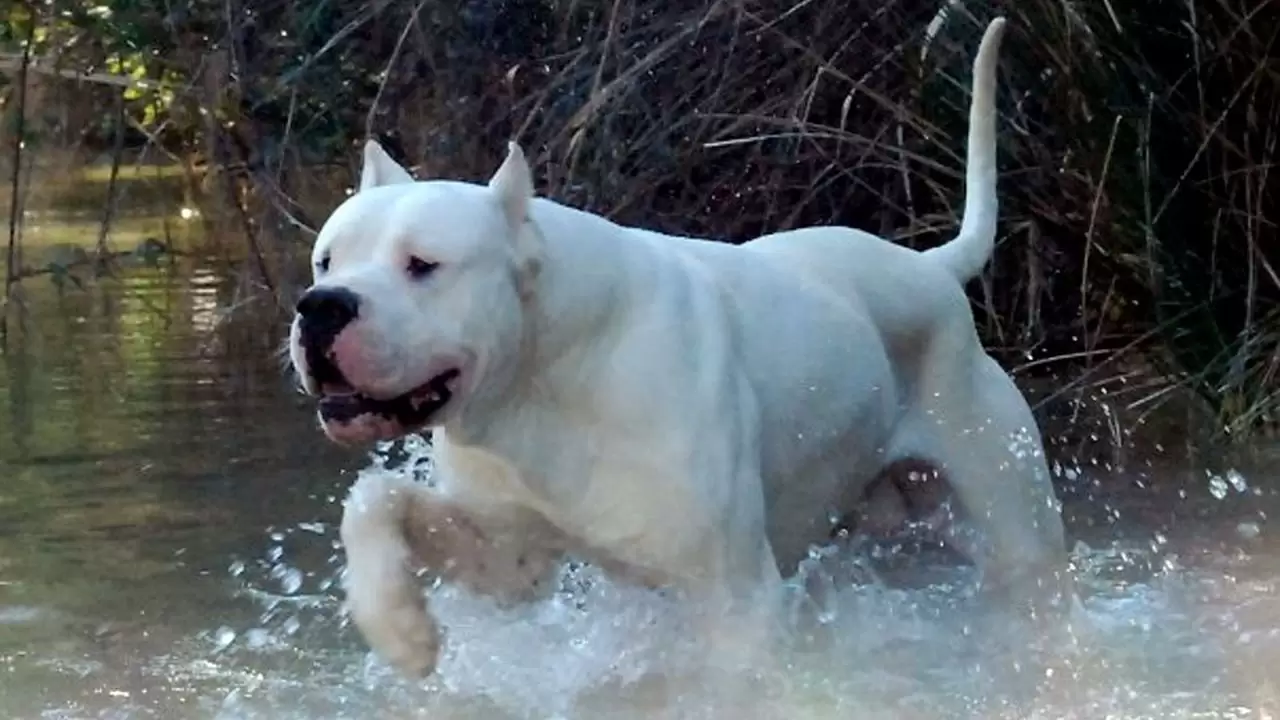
(1138, 140)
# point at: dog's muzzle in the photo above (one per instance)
(349, 415)
(323, 312)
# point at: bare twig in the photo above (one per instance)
(108, 209)
(386, 71)
(15, 194)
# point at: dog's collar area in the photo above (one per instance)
(409, 410)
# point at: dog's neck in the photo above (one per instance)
(589, 270)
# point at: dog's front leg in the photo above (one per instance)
(395, 531)
(740, 587)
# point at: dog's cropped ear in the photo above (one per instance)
(379, 169)
(513, 184)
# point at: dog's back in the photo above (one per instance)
(897, 284)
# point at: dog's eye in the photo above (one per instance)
(419, 268)
(323, 265)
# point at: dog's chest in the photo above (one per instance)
(636, 515)
(624, 505)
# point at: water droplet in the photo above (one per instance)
(223, 638)
(1218, 487)
(291, 580)
(257, 638)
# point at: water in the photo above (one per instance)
(168, 549)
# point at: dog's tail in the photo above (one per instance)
(968, 252)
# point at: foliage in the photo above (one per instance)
(1137, 139)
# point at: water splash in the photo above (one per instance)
(1139, 645)
(1155, 634)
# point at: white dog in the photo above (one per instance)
(681, 412)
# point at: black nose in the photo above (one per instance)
(324, 311)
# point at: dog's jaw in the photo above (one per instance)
(360, 402)
(350, 418)
(360, 430)
(353, 415)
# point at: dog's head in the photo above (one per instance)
(418, 298)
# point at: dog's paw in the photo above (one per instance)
(403, 634)
(386, 602)
(384, 595)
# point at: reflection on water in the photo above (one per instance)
(168, 549)
(147, 441)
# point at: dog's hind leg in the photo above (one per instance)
(396, 530)
(974, 424)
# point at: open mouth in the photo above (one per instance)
(341, 403)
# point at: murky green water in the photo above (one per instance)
(149, 441)
(168, 549)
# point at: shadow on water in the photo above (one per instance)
(168, 549)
